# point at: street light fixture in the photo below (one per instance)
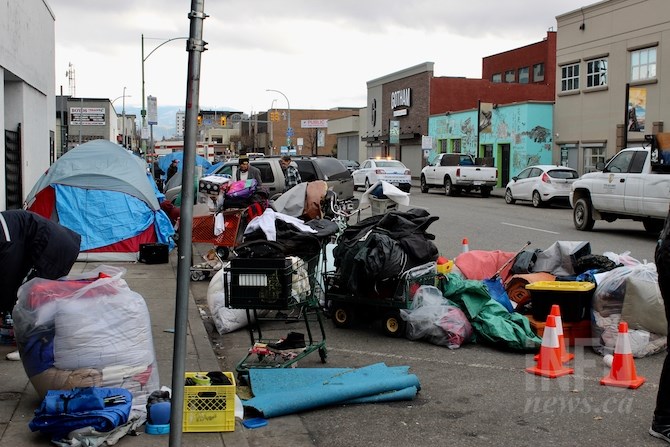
(289, 131)
(123, 115)
(144, 112)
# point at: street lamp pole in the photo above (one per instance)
(144, 111)
(272, 133)
(289, 131)
(123, 113)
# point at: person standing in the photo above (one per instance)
(660, 426)
(172, 169)
(32, 246)
(245, 171)
(291, 174)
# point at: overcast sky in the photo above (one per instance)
(319, 53)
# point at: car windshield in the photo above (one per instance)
(563, 174)
(389, 164)
(331, 167)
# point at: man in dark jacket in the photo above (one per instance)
(172, 169)
(660, 425)
(246, 172)
(32, 246)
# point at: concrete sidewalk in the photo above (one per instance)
(157, 284)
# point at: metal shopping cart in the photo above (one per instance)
(290, 289)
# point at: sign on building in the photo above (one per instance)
(87, 116)
(311, 124)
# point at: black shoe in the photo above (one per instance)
(294, 340)
(660, 431)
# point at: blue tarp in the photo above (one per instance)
(123, 216)
(165, 160)
(284, 391)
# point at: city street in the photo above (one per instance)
(475, 395)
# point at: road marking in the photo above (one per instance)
(530, 228)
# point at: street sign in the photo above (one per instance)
(152, 106)
(289, 132)
(236, 117)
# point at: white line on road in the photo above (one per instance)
(529, 228)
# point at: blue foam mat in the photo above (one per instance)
(284, 391)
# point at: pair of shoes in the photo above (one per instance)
(14, 355)
(660, 431)
(294, 340)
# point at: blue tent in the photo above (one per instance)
(165, 160)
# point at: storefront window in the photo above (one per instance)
(593, 155)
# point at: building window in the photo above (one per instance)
(523, 75)
(593, 155)
(570, 77)
(538, 72)
(443, 146)
(643, 64)
(496, 78)
(456, 146)
(509, 76)
(596, 72)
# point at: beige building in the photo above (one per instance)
(610, 61)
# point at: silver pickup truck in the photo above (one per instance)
(459, 172)
(630, 186)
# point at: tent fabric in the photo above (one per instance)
(308, 388)
(165, 160)
(102, 192)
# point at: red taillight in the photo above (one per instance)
(408, 172)
(379, 171)
(458, 172)
(545, 178)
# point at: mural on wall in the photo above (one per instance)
(526, 128)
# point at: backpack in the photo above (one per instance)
(241, 189)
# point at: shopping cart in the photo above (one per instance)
(232, 235)
(290, 289)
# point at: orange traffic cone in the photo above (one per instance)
(565, 355)
(623, 372)
(549, 360)
(464, 246)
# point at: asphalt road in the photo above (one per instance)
(477, 395)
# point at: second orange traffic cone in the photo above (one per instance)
(549, 362)
(623, 373)
(565, 355)
(464, 246)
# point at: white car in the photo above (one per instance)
(392, 171)
(541, 184)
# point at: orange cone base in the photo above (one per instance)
(565, 358)
(552, 374)
(632, 384)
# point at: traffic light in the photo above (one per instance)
(274, 116)
(199, 120)
(223, 121)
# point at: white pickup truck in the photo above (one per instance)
(630, 186)
(459, 172)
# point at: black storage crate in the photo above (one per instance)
(259, 283)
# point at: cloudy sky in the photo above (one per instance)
(319, 53)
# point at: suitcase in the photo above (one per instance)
(154, 253)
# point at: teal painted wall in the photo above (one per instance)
(527, 128)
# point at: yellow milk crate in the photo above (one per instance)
(209, 408)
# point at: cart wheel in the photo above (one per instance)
(222, 252)
(323, 354)
(343, 316)
(197, 275)
(393, 325)
(242, 379)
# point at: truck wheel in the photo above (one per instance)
(537, 200)
(449, 189)
(486, 192)
(581, 215)
(509, 198)
(424, 186)
(342, 315)
(653, 226)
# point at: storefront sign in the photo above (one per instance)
(87, 116)
(311, 124)
(400, 98)
(394, 132)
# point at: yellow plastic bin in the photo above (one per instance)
(573, 297)
(209, 408)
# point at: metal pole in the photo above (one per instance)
(272, 107)
(81, 116)
(195, 47)
(143, 112)
(123, 115)
(288, 130)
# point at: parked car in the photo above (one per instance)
(456, 173)
(392, 171)
(351, 165)
(541, 184)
